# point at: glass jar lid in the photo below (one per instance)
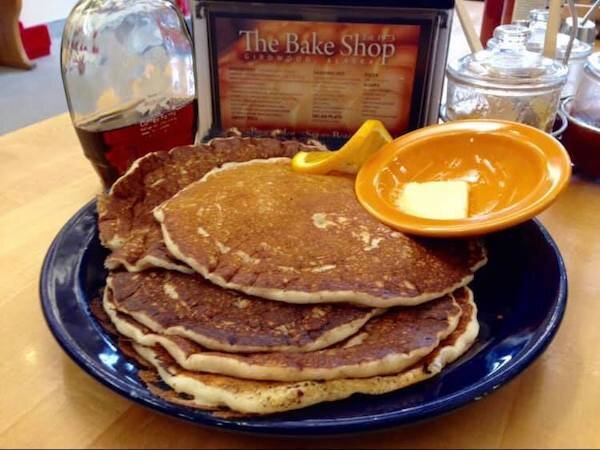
(539, 15)
(586, 31)
(538, 24)
(580, 50)
(535, 43)
(509, 64)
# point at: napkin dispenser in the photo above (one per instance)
(319, 68)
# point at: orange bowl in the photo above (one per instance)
(514, 172)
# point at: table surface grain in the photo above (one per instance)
(47, 401)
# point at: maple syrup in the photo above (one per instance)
(113, 142)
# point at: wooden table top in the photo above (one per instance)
(47, 401)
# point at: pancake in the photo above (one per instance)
(177, 304)
(262, 229)
(388, 343)
(207, 391)
(125, 219)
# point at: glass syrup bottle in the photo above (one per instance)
(128, 74)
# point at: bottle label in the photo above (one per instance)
(114, 149)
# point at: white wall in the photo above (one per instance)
(35, 12)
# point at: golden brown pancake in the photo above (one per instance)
(125, 219)
(247, 397)
(260, 228)
(177, 304)
(388, 343)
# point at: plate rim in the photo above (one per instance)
(314, 427)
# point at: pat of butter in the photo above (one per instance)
(441, 200)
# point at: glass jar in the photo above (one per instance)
(579, 50)
(538, 21)
(506, 82)
(127, 69)
(586, 105)
(586, 31)
(582, 136)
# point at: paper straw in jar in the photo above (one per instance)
(467, 26)
(552, 29)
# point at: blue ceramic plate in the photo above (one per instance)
(521, 294)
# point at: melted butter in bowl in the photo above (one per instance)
(514, 171)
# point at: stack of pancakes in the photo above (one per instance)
(246, 288)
